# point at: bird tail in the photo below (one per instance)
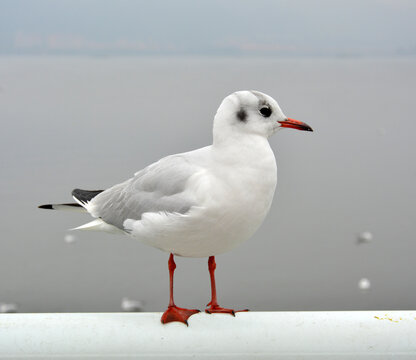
(67, 206)
(82, 197)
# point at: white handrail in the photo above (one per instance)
(260, 335)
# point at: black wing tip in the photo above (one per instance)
(53, 206)
(47, 206)
(85, 195)
(75, 192)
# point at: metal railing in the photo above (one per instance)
(257, 335)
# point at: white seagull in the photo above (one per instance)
(203, 202)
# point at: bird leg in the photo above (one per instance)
(174, 313)
(213, 304)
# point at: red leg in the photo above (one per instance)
(213, 304)
(174, 313)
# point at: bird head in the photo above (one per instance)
(252, 112)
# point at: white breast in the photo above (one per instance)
(247, 194)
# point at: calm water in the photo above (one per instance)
(92, 122)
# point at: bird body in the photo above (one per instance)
(199, 203)
(203, 202)
(231, 204)
(220, 200)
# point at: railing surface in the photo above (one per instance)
(259, 335)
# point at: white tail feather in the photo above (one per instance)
(98, 225)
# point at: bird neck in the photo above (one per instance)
(243, 148)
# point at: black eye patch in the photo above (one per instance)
(242, 115)
(265, 111)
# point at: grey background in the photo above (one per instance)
(91, 122)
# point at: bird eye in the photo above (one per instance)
(266, 111)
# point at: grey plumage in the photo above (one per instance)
(260, 96)
(157, 188)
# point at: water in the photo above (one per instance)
(92, 122)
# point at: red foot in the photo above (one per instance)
(218, 309)
(174, 313)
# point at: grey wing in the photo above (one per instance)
(158, 187)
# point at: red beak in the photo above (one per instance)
(295, 124)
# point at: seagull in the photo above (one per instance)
(199, 203)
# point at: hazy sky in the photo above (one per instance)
(261, 27)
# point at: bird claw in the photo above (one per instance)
(219, 310)
(174, 313)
